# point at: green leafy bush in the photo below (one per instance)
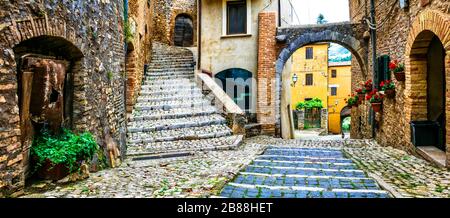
(66, 148)
(128, 33)
(314, 103)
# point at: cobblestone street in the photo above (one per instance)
(205, 174)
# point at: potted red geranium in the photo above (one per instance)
(388, 87)
(361, 93)
(368, 85)
(353, 101)
(398, 69)
(375, 98)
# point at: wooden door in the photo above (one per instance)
(184, 31)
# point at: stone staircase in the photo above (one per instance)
(171, 114)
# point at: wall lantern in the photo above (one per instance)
(294, 79)
(404, 4)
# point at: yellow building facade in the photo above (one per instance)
(339, 85)
(310, 66)
(317, 78)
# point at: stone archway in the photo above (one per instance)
(426, 26)
(183, 33)
(345, 34)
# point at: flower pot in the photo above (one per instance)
(390, 93)
(376, 107)
(48, 171)
(400, 76)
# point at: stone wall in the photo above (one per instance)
(139, 48)
(89, 35)
(165, 12)
(399, 29)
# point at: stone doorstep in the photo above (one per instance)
(433, 154)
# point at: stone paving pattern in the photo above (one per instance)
(303, 173)
(205, 174)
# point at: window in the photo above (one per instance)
(236, 17)
(383, 68)
(333, 73)
(333, 91)
(309, 53)
(308, 99)
(309, 79)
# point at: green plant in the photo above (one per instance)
(396, 67)
(387, 85)
(66, 148)
(110, 75)
(310, 104)
(352, 101)
(127, 32)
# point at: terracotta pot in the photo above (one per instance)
(400, 76)
(50, 172)
(390, 93)
(376, 107)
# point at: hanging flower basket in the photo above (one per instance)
(400, 76)
(376, 107)
(389, 88)
(398, 69)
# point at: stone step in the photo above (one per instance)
(171, 65)
(160, 98)
(157, 58)
(170, 69)
(148, 81)
(173, 113)
(194, 133)
(168, 77)
(170, 73)
(179, 91)
(166, 124)
(304, 164)
(219, 143)
(167, 105)
(168, 86)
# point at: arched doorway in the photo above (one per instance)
(427, 71)
(237, 83)
(184, 31)
(346, 116)
(45, 78)
(282, 82)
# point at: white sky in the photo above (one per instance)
(309, 10)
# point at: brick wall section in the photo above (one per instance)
(267, 56)
(395, 38)
(92, 28)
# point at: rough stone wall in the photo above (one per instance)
(139, 49)
(165, 12)
(392, 39)
(94, 28)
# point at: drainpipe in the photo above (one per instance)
(199, 34)
(279, 13)
(373, 38)
(125, 16)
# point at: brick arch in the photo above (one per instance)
(341, 34)
(427, 25)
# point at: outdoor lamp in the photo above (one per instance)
(294, 79)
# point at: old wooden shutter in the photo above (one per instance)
(383, 72)
(237, 17)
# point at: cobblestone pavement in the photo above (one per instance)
(303, 173)
(206, 173)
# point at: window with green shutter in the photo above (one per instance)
(383, 72)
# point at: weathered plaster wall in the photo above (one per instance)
(92, 27)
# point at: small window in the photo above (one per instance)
(333, 91)
(333, 73)
(308, 99)
(309, 53)
(236, 17)
(309, 79)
